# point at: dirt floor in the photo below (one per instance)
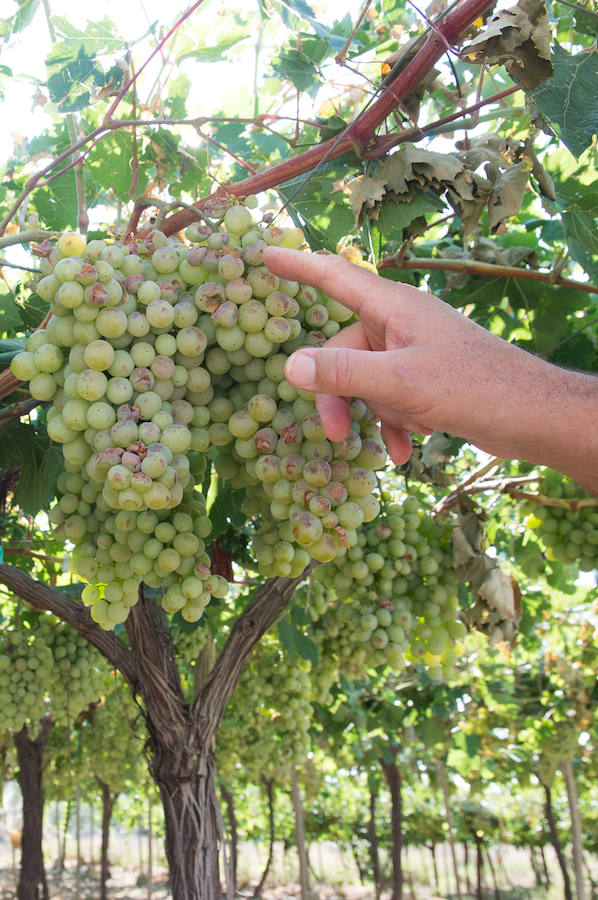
(124, 885)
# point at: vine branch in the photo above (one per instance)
(476, 267)
(42, 597)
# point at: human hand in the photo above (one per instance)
(432, 368)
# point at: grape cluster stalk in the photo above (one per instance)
(160, 352)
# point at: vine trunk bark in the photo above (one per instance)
(300, 836)
(442, 777)
(180, 735)
(554, 840)
(479, 866)
(269, 785)
(393, 780)
(374, 848)
(30, 755)
(576, 833)
(234, 835)
(192, 830)
(107, 807)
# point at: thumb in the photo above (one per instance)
(346, 373)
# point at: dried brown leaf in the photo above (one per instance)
(519, 38)
(506, 196)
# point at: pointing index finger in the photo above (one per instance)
(349, 284)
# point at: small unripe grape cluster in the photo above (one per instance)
(569, 533)
(396, 597)
(46, 669)
(158, 351)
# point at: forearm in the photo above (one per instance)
(557, 426)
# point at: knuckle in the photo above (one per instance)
(342, 369)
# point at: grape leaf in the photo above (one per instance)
(17, 22)
(10, 317)
(296, 642)
(579, 221)
(506, 196)
(57, 203)
(24, 446)
(327, 215)
(568, 99)
(211, 52)
(519, 38)
(33, 311)
(395, 217)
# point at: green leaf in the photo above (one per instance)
(33, 311)
(295, 66)
(300, 616)
(324, 215)
(580, 220)
(41, 462)
(395, 217)
(9, 349)
(20, 20)
(211, 53)
(286, 633)
(57, 203)
(306, 648)
(10, 316)
(97, 38)
(295, 641)
(568, 99)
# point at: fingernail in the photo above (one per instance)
(300, 370)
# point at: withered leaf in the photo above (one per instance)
(506, 196)
(519, 38)
(363, 192)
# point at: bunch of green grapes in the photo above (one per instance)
(47, 669)
(159, 350)
(396, 597)
(560, 745)
(269, 715)
(570, 534)
(165, 548)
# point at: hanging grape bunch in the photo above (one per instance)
(397, 601)
(46, 668)
(159, 352)
(570, 532)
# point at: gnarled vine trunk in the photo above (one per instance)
(393, 779)
(30, 755)
(234, 835)
(107, 807)
(554, 840)
(374, 847)
(192, 826)
(269, 785)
